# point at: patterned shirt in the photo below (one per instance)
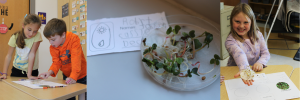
(243, 54)
(22, 55)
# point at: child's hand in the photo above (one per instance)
(46, 74)
(33, 77)
(3, 76)
(70, 81)
(257, 67)
(222, 78)
(248, 82)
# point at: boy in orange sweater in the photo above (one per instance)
(66, 52)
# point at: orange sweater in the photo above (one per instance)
(69, 58)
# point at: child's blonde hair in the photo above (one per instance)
(29, 19)
(246, 9)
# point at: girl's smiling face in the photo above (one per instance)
(30, 30)
(241, 24)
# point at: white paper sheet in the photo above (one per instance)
(263, 88)
(36, 85)
(123, 34)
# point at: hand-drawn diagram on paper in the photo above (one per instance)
(109, 35)
(265, 87)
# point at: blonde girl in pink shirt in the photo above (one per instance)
(245, 43)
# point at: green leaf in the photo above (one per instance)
(176, 73)
(195, 71)
(147, 61)
(185, 34)
(144, 41)
(177, 28)
(146, 51)
(154, 46)
(212, 61)
(178, 66)
(174, 43)
(197, 44)
(173, 68)
(169, 60)
(160, 65)
(217, 62)
(155, 61)
(169, 30)
(208, 38)
(216, 57)
(192, 33)
(189, 73)
(179, 60)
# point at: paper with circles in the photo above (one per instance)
(111, 35)
(265, 87)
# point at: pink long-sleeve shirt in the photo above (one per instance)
(243, 54)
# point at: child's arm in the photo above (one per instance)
(264, 51)
(236, 52)
(7, 61)
(56, 65)
(76, 59)
(31, 59)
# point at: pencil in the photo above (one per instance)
(46, 87)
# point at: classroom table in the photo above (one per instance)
(45, 94)
(8, 92)
(295, 77)
(230, 71)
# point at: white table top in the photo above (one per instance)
(121, 76)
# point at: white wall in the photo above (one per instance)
(50, 7)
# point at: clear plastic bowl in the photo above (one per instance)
(195, 82)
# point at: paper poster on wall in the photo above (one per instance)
(65, 10)
(81, 1)
(73, 4)
(82, 24)
(82, 33)
(82, 16)
(82, 8)
(109, 35)
(74, 11)
(74, 19)
(82, 42)
(75, 32)
(42, 16)
(74, 27)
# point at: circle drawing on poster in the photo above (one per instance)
(241, 92)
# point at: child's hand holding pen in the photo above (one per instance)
(3, 76)
(70, 81)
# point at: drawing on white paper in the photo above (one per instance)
(262, 89)
(108, 35)
(102, 36)
(275, 86)
(241, 92)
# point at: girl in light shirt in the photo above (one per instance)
(245, 43)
